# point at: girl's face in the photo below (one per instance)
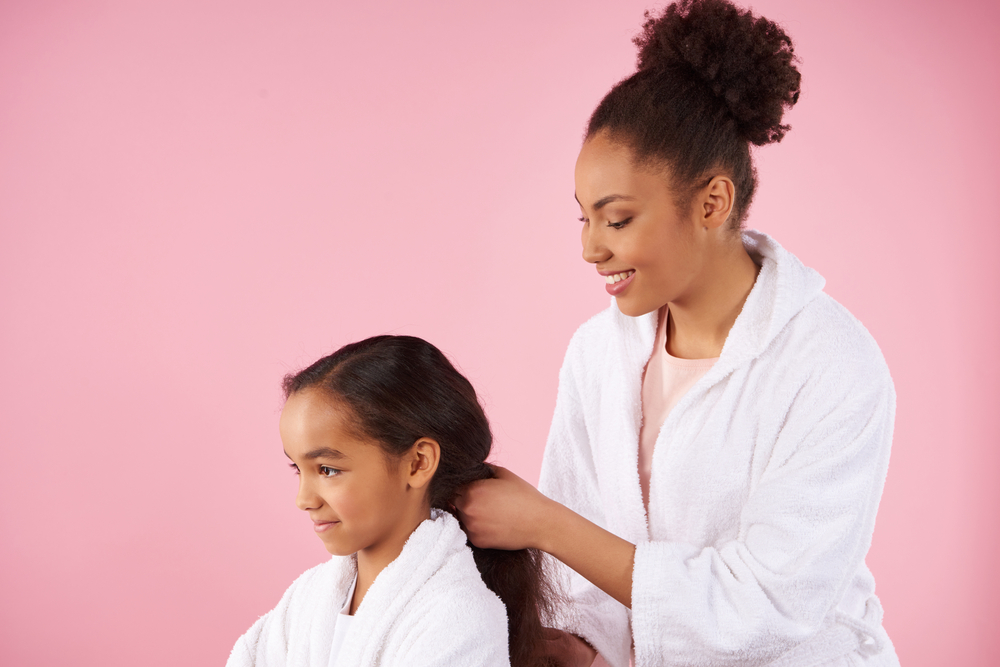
(648, 251)
(359, 499)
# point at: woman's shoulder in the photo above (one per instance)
(828, 344)
(832, 326)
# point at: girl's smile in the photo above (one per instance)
(359, 499)
(322, 526)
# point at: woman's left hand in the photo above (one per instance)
(503, 513)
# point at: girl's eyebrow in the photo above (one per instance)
(323, 453)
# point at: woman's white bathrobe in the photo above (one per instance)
(428, 608)
(765, 482)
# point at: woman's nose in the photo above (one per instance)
(594, 250)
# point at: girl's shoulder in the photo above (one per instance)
(458, 595)
(455, 618)
(323, 579)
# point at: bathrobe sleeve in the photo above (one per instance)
(569, 476)
(266, 642)
(270, 641)
(803, 532)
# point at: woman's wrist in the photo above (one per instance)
(595, 553)
(550, 519)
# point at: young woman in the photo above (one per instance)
(722, 431)
(382, 433)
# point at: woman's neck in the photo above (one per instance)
(699, 322)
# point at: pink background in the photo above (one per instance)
(197, 197)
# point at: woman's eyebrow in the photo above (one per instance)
(600, 203)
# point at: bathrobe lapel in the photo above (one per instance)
(620, 420)
(425, 552)
(783, 287)
(404, 618)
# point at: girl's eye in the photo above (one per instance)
(294, 468)
(582, 219)
(327, 471)
(619, 225)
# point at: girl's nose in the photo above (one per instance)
(305, 499)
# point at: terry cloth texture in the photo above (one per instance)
(428, 608)
(765, 481)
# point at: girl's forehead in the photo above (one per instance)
(309, 416)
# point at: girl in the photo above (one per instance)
(382, 433)
(722, 431)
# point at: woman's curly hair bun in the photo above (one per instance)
(747, 61)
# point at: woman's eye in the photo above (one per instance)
(294, 468)
(327, 471)
(619, 225)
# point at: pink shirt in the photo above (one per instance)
(664, 383)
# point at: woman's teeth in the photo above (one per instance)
(618, 277)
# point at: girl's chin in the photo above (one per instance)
(337, 547)
(336, 550)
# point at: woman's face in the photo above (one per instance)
(356, 496)
(632, 231)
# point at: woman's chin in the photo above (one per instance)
(633, 308)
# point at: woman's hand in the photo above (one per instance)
(508, 513)
(503, 513)
(566, 650)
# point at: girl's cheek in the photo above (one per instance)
(349, 500)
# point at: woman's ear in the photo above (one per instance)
(716, 202)
(422, 462)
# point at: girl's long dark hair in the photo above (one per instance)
(401, 389)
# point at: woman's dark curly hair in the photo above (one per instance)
(711, 80)
(398, 389)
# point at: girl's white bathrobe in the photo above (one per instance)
(428, 608)
(765, 481)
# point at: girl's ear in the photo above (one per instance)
(422, 462)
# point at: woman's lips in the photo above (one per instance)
(617, 282)
(320, 526)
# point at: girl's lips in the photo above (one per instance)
(320, 526)
(614, 289)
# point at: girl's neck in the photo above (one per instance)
(700, 322)
(373, 559)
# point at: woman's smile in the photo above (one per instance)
(617, 282)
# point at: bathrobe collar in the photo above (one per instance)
(425, 552)
(783, 288)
